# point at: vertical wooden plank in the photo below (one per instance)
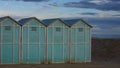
(75, 44)
(53, 44)
(84, 43)
(90, 43)
(0, 43)
(20, 50)
(39, 28)
(69, 44)
(46, 46)
(20, 45)
(49, 44)
(63, 42)
(28, 47)
(13, 44)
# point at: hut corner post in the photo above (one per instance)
(20, 45)
(45, 62)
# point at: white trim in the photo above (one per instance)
(76, 43)
(13, 31)
(79, 27)
(39, 29)
(63, 43)
(56, 43)
(46, 43)
(43, 43)
(90, 43)
(58, 62)
(7, 64)
(32, 26)
(53, 45)
(7, 25)
(84, 44)
(21, 44)
(59, 26)
(1, 46)
(28, 47)
(69, 44)
(25, 43)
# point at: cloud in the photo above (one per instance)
(29, 0)
(35, 0)
(115, 0)
(17, 17)
(103, 20)
(54, 4)
(104, 5)
(88, 13)
(104, 26)
(96, 27)
(116, 15)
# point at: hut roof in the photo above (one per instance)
(50, 21)
(25, 20)
(74, 21)
(3, 18)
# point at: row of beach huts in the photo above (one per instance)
(31, 41)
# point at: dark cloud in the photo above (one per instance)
(105, 27)
(29, 0)
(54, 4)
(35, 0)
(108, 21)
(88, 13)
(110, 5)
(116, 15)
(115, 0)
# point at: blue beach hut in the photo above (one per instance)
(9, 41)
(57, 40)
(33, 40)
(80, 40)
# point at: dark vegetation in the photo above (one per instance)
(107, 50)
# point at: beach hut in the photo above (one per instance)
(80, 40)
(57, 41)
(9, 41)
(33, 40)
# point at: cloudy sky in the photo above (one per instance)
(103, 15)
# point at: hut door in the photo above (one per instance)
(33, 48)
(58, 45)
(7, 46)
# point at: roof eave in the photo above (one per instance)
(35, 19)
(12, 19)
(63, 22)
(86, 23)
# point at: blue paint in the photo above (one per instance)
(10, 39)
(33, 40)
(62, 38)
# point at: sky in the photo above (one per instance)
(103, 15)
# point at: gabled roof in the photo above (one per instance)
(71, 22)
(50, 21)
(3, 18)
(25, 20)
